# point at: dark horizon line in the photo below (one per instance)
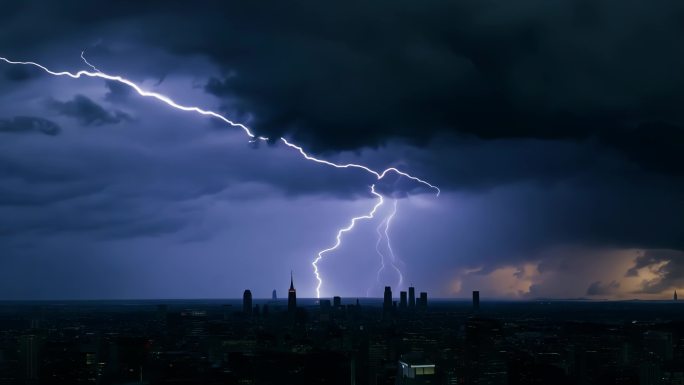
(439, 299)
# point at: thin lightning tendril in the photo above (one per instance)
(170, 102)
(87, 63)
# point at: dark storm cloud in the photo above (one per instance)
(29, 124)
(118, 92)
(353, 74)
(18, 74)
(656, 146)
(87, 111)
(493, 70)
(599, 288)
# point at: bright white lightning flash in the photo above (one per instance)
(384, 234)
(170, 102)
(139, 90)
(377, 250)
(393, 257)
(338, 241)
(378, 175)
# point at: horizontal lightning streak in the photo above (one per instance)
(165, 99)
(140, 91)
(338, 241)
(378, 175)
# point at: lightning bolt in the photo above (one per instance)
(171, 103)
(377, 250)
(378, 175)
(86, 61)
(139, 90)
(384, 234)
(338, 238)
(389, 244)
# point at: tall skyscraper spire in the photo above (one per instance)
(291, 296)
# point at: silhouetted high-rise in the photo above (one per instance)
(387, 303)
(274, 295)
(247, 302)
(423, 300)
(292, 297)
(412, 297)
(337, 301)
(476, 300)
(402, 299)
(674, 297)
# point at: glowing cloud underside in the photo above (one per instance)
(96, 73)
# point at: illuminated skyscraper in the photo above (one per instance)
(292, 297)
(247, 302)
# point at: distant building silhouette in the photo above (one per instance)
(412, 297)
(292, 297)
(476, 300)
(274, 296)
(423, 300)
(227, 311)
(162, 314)
(402, 300)
(247, 302)
(325, 305)
(674, 297)
(387, 303)
(337, 301)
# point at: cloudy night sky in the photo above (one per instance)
(555, 130)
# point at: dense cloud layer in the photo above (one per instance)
(87, 112)
(27, 124)
(559, 123)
